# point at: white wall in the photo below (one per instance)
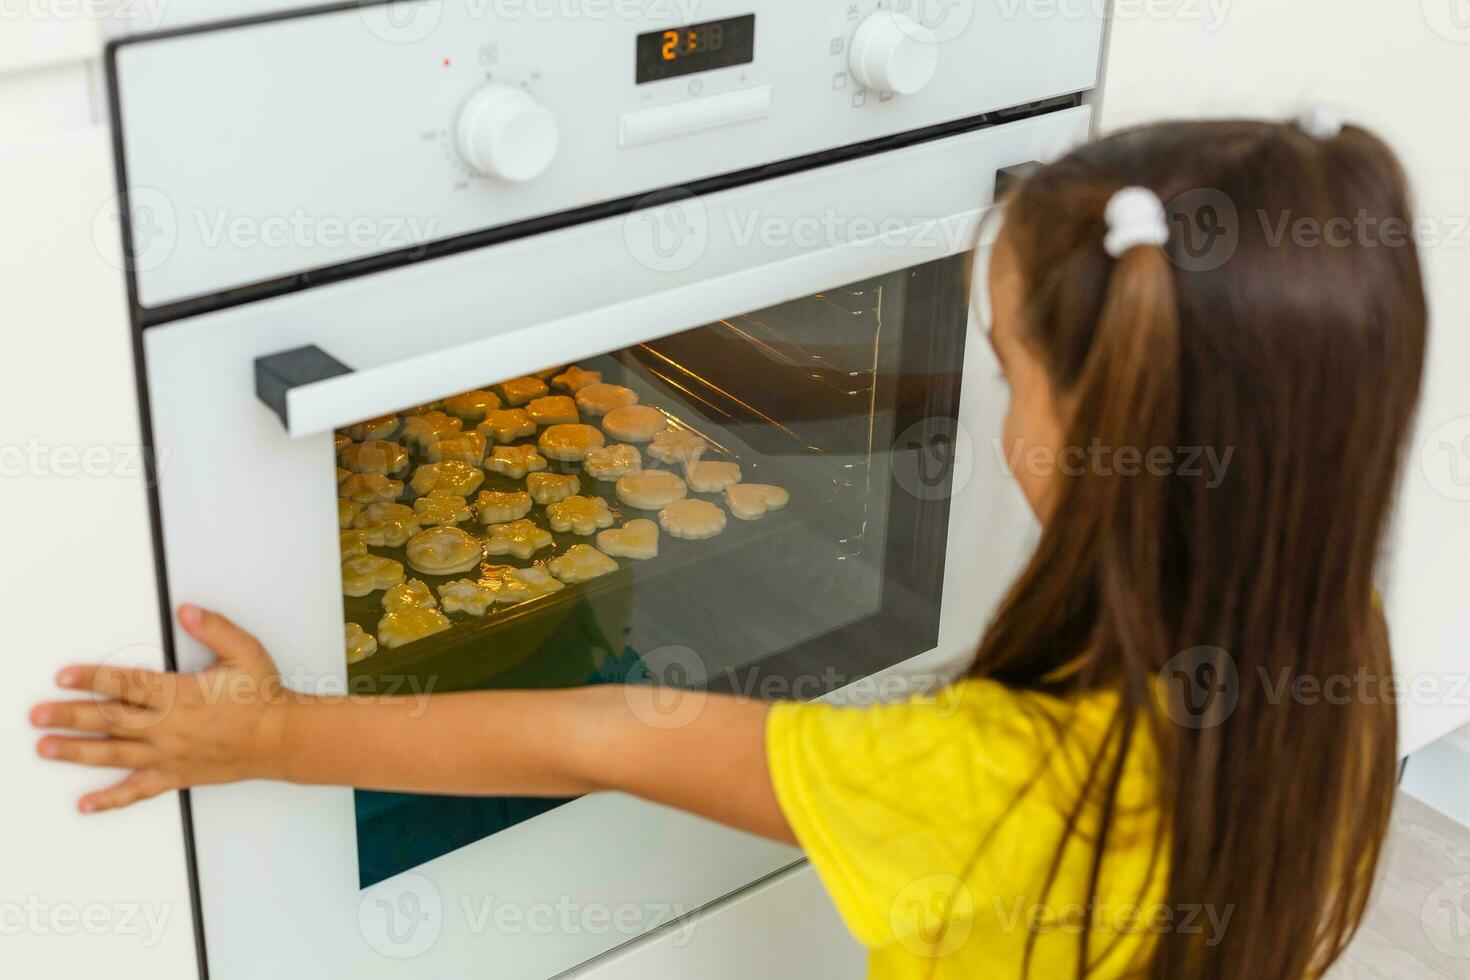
(79, 896)
(1403, 69)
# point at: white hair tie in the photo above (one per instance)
(1320, 122)
(1135, 216)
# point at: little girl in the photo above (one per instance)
(1122, 786)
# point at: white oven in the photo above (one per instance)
(756, 218)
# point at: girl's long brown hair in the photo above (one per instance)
(1303, 362)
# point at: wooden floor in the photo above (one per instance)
(1419, 925)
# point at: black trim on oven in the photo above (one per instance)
(144, 317)
(155, 516)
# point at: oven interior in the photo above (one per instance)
(828, 397)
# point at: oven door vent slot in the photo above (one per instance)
(277, 374)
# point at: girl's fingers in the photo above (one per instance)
(135, 685)
(141, 785)
(112, 753)
(229, 642)
(107, 717)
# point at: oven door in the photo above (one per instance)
(815, 330)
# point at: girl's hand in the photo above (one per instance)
(173, 730)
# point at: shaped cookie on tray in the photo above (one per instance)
(519, 538)
(466, 596)
(548, 488)
(507, 425)
(472, 406)
(496, 507)
(444, 551)
(637, 539)
(581, 563)
(579, 515)
(515, 461)
(452, 476)
(574, 379)
(692, 519)
(677, 446)
(751, 501)
(611, 462)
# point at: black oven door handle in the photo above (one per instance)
(277, 374)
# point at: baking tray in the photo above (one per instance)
(598, 631)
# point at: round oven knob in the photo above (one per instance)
(505, 133)
(892, 52)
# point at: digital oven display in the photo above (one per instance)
(698, 47)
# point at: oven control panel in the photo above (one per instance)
(263, 150)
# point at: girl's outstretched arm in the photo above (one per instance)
(699, 752)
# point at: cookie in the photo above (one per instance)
(611, 462)
(548, 488)
(515, 461)
(569, 442)
(519, 538)
(347, 510)
(398, 629)
(581, 563)
(677, 446)
(507, 425)
(553, 410)
(375, 456)
(340, 441)
(472, 406)
(637, 539)
(412, 594)
(574, 379)
(369, 573)
(386, 525)
(422, 431)
(359, 643)
(370, 488)
(440, 509)
(519, 391)
(353, 544)
(651, 489)
(444, 551)
(465, 596)
(467, 447)
(599, 399)
(342, 477)
(692, 520)
(379, 428)
(711, 476)
(579, 515)
(751, 501)
(522, 584)
(634, 423)
(495, 507)
(453, 476)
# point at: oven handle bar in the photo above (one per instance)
(312, 392)
(277, 375)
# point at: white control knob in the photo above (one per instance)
(505, 133)
(892, 52)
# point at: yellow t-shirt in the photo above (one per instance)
(934, 824)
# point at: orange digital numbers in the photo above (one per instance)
(671, 45)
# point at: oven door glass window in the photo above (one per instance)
(758, 505)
